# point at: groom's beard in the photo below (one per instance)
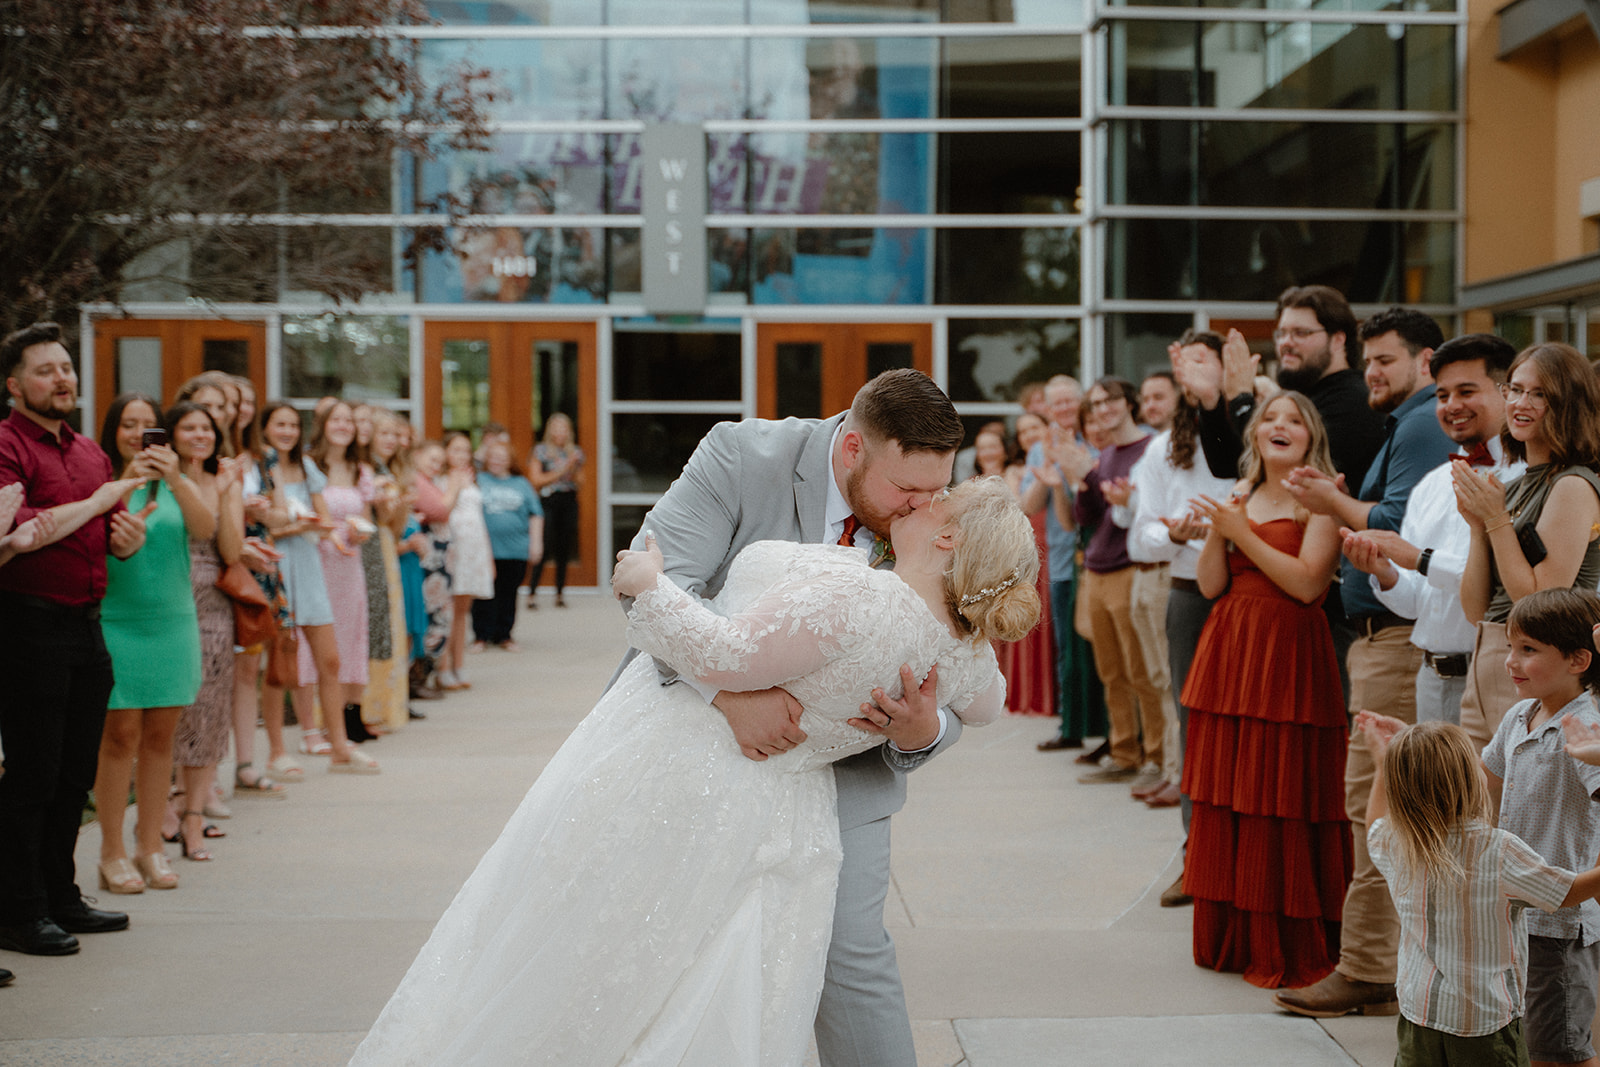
(873, 518)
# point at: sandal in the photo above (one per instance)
(197, 854)
(249, 780)
(215, 808)
(314, 743)
(358, 763)
(286, 769)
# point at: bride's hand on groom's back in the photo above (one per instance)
(764, 722)
(912, 722)
(637, 571)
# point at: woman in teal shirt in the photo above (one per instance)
(516, 537)
(153, 635)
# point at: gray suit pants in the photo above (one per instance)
(862, 1019)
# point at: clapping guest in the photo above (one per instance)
(516, 535)
(148, 618)
(201, 741)
(298, 492)
(391, 504)
(471, 558)
(1542, 531)
(436, 494)
(345, 504)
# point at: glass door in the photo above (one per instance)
(813, 370)
(518, 374)
(156, 356)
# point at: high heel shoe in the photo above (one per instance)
(198, 854)
(158, 873)
(118, 876)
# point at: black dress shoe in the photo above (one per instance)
(1101, 752)
(1056, 744)
(40, 937)
(79, 918)
(5, 976)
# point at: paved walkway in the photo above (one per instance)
(1023, 904)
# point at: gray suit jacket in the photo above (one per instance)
(760, 480)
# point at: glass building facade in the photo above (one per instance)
(992, 190)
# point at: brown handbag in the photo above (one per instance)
(283, 659)
(253, 620)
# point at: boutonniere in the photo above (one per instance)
(882, 551)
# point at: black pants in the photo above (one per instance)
(52, 711)
(1187, 612)
(560, 534)
(492, 620)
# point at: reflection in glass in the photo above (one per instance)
(881, 266)
(728, 260)
(652, 365)
(1372, 261)
(992, 359)
(366, 357)
(230, 355)
(1282, 164)
(555, 384)
(651, 449)
(799, 379)
(1299, 5)
(887, 355)
(504, 264)
(1298, 65)
(464, 385)
(626, 520)
(1009, 173)
(139, 365)
(1136, 343)
(1013, 77)
(1003, 266)
(1516, 327)
(531, 79)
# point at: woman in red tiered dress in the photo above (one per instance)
(1269, 847)
(1029, 665)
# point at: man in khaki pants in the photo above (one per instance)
(1383, 663)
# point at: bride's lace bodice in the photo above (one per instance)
(816, 620)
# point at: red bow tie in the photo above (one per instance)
(1478, 455)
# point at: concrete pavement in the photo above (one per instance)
(1023, 904)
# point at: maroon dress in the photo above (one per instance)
(1270, 853)
(1029, 665)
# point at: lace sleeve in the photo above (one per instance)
(792, 629)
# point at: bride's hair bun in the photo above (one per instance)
(992, 585)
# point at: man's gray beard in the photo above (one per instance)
(1299, 380)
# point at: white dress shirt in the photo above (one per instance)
(1432, 521)
(1162, 491)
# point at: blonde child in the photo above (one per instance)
(1546, 801)
(1460, 887)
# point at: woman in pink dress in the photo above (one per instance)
(348, 499)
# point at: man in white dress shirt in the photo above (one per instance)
(1424, 583)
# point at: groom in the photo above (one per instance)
(832, 481)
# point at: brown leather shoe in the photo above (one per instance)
(1337, 995)
(1174, 897)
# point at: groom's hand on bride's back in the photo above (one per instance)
(765, 722)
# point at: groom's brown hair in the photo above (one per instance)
(906, 406)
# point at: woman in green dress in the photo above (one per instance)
(153, 635)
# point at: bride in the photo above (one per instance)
(658, 898)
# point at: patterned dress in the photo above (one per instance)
(202, 737)
(346, 586)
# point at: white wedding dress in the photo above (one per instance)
(658, 898)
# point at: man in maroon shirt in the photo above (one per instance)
(54, 662)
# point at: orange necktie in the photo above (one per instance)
(851, 525)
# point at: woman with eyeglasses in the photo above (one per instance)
(1541, 531)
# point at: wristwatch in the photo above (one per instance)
(1423, 561)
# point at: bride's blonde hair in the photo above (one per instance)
(991, 585)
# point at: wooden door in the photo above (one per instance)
(156, 356)
(518, 374)
(813, 370)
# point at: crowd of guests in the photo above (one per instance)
(1398, 527)
(214, 565)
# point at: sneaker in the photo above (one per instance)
(1114, 773)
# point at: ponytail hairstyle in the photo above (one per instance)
(1435, 787)
(992, 584)
(1565, 620)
